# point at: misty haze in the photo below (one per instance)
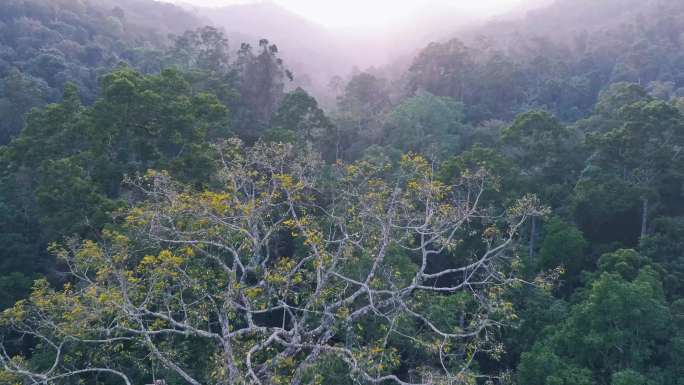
(358, 192)
(347, 35)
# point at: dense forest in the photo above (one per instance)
(177, 208)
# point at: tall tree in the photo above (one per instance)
(358, 286)
(300, 120)
(641, 156)
(361, 110)
(262, 78)
(426, 124)
(546, 154)
(611, 336)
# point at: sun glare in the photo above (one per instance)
(372, 13)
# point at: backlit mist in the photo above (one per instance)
(372, 14)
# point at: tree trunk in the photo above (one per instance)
(644, 217)
(533, 235)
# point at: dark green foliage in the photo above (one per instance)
(635, 165)
(546, 153)
(20, 93)
(20, 257)
(626, 262)
(205, 49)
(360, 115)
(262, 79)
(299, 119)
(426, 124)
(542, 366)
(64, 173)
(614, 332)
(46, 43)
(665, 246)
(564, 246)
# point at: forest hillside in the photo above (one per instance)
(201, 196)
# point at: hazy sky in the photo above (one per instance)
(371, 13)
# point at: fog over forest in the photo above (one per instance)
(324, 39)
(359, 192)
(376, 14)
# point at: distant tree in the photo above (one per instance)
(546, 152)
(541, 366)
(204, 49)
(502, 190)
(300, 118)
(19, 93)
(118, 13)
(611, 101)
(612, 336)
(496, 88)
(564, 246)
(426, 124)
(443, 70)
(665, 247)
(640, 157)
(361, 110)
(20, 254)
(262, 78)
(547, 155)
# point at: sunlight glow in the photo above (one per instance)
(373, 13)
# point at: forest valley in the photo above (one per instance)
(175, 209)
